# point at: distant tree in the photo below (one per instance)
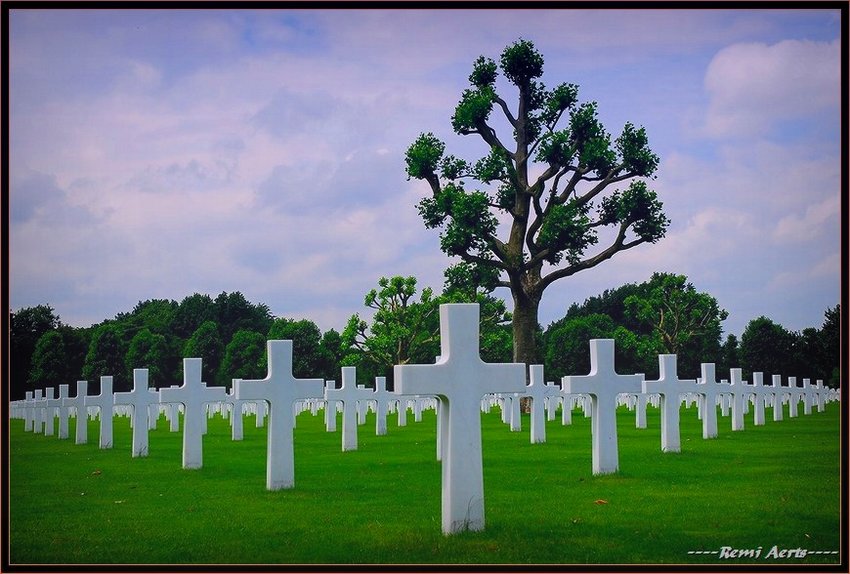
(767, 347)
(830, 340)
(612, 302)
(234, 313)
(308, 358)
(547, 183)
(404, 329)
(465, 283)
(106, 357)
(244, 358)
(26, 326)
(49, 361)
(568, 346)
(148, 350)
(332, 355)
(206, 343)
(192, 312)
(728, 358)
(683, 321)
(156, 315)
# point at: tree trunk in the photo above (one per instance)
(524, 329)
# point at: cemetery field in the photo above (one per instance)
(776, 485)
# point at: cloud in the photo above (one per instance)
(755, 87)
(794, 228)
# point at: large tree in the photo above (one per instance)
(26, 326)
(683, 321)
(548, 185)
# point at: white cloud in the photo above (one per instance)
(796, 228)
(754, 87)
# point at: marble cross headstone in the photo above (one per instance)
(140, 398)
(348, 394)
(740, 390)
(670, 387)
(39, 411)
(63, 411)
(460, 378)
(759, 394)
(709, 389)
(793, 397)
(49, 403)
(79, 403)
(29, 411)
(603, 384)
(778, 395)
(194, 396)
(105, 403)
(537, 391)
(280, 389)
(382, 399)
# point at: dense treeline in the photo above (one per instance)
(663, 315)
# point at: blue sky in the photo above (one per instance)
(159, 153)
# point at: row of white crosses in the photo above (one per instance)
(463, 386)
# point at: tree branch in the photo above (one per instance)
(618, 245)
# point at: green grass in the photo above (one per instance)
(778, 484)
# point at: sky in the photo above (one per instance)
(157, 153)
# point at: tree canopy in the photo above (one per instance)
(556, 217)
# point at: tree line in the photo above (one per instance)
(665, 314)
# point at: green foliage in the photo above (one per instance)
(106, 357)
(567, 232)
(683, 321)
(473, 109)
(423, 156)
(403, 329)
(663, 315)
(637, 206)
(521, 63)
(206, 343)
(244, 358)
(548, 207)
(26, 326)
(309, 357)
(483, 72)
(49, 361)
(149, 350)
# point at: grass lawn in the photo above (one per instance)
(774, 485)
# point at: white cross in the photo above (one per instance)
(670, 387)
(808, 396)
(794, 395)
(29, 411)
(59, 403)
(49, 403)
(348, 394)
(79, 403)
(760, 392)
(709, 389)
(382, 400)
(538, 391)
(603, 384)
(105, 402)
(236, 427)
(330, 408)
(140, 398)
(39, 411)
(778, 394)
(739, 389)
(280, 389)
(193, 395)
(821, 394)
(460, 378)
